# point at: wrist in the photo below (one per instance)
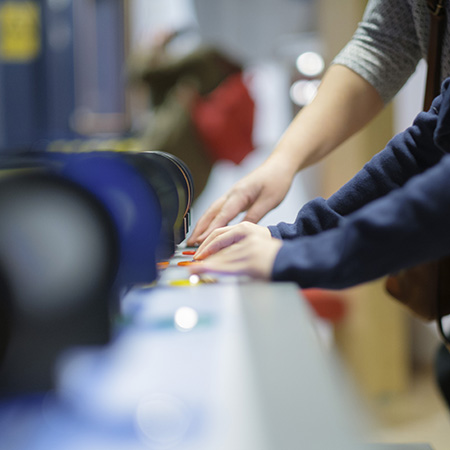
(281, 164)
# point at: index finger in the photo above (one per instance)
(204, 221)
(230, 208)
(211, 244)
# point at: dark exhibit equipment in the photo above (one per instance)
(58, 258)
(77, 231)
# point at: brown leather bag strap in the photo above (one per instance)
(437, 28)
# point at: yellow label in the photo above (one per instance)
(20, 39)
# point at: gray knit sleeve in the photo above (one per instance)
(385, 48)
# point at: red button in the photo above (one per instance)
(189, 252)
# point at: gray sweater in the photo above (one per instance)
(389, 42)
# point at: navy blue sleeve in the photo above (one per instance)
(406, 227)
(406, 155)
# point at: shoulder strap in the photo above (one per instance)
(437, 27)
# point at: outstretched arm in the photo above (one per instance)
(407, 227)
(404, 228)
(345, 102)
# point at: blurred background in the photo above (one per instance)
(131, 75)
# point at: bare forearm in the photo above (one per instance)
(345, 102)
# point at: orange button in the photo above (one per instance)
(189, 252)
(162, 264)
(186, 263)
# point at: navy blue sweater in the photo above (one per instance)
(393, 214)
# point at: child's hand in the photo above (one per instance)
(226, 236)
(245, 249)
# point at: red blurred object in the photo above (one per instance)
(327, 305)
(224, 120)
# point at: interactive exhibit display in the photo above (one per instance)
(107, 342)
(77, 230)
